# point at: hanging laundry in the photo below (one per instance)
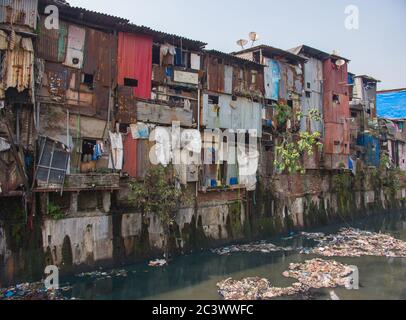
(139, 131)
(117, 153)
(167, 53)
(98, 151)
(248, 159)
(162, 137)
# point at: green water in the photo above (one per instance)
(194, 277)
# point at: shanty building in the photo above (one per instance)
(18, 22)
(232, 108)
(336, 113)
(364, 128)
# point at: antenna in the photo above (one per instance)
(242, 43)
(253, 37)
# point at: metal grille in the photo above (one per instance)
(53, 163)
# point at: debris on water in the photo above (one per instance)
(101, 275)
(313, 236)
(158, 263)
(30, 291)
(253, 289)
(351, 242)
(318, 273)
(262, 246)
(312, 274)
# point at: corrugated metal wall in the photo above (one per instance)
(19, 12)
(313, 84)
(229, 114)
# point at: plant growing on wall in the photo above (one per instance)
(158, 195)
(292, 148)
(55, 212)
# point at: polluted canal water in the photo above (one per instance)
(196, 276)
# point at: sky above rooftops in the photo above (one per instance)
(377, 48)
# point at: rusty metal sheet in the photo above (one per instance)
(335, 78)
(57, 76)
(127, 105)
(100, 51)
(19, 12)
(215, 74)
(20, 65)
(51, 44)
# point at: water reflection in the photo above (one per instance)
(195, 276)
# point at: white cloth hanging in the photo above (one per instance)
(117, 151)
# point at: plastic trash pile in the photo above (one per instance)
(263, 247)
(313, 236)
(316, 274)
(252, 289)
(100, 275)
(31, 291)
(357, 243)
(157, 263)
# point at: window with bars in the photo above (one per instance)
(53, 163)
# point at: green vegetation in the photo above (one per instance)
(55, 212)
(293, 147)
(158, 195)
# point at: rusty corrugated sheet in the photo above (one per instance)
(127, 105)
(19, 12)
(215, 74)
(51, 44)
(130, 155)
(19, 64)
(335, 78)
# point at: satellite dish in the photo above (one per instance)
(242, 43)
(340, 62)
(253, 37)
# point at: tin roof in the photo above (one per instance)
(315, 53)
(366, 77)
(233, 58)
(113, 22)
(272, 52)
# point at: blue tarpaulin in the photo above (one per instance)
(373, 149)
(392, 105)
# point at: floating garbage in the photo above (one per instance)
(356, 243)
(253, 289)
(158, 263)
(316, 274)
(262, 246)
(31, 291)
(100, 275)
(313, 236)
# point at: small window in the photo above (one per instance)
(308, 85)
(88, 150)
(290, 103)
(213, 100)
(88, 79)
(156, 55)
(129, 82)
(336, 98)
(234, 98)
(308, 94)
(354, 115)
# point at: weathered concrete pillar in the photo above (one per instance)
(74, 202)
(106, 201)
